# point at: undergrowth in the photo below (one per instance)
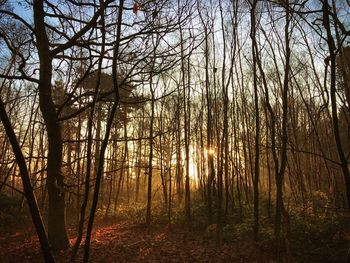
(316, 235)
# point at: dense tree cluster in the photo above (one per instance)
(236, 103)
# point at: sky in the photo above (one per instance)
(21, 8)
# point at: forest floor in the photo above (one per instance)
(130, 242)
(126, 241)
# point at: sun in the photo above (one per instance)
(211, 151)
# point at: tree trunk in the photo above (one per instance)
(332, 60)
(56, 215)
(27, 187)
(256, 175)
(150, 160)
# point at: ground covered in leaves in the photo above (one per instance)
(121, 240)
(129, 242)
